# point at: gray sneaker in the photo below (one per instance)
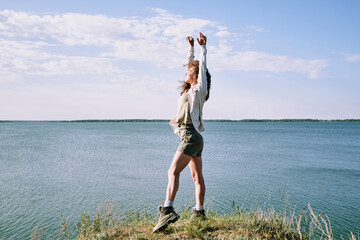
(167, 215)
(198, 214)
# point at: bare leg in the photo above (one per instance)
(180, 161)
(196, 171)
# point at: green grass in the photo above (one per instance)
(112, 222)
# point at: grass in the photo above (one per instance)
(110, 223)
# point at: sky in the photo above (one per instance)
(71, 60)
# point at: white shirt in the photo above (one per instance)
(197, 93)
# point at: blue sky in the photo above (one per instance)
(123, 59)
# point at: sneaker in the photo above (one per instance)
(167, 215)
(198, 214)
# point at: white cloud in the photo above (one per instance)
(254, 29)
(249, 42)
(27, 58)
(223, 33)
(158, 39)
(352, 58)
(260, 61)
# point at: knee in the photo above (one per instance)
(198, 179)
(172, 173)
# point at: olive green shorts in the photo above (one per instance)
(192, 142)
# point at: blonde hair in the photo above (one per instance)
(194, 63)
(186, 86)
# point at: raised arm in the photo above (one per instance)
(202, 82)
(190, 40)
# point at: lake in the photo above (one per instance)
(53, 168)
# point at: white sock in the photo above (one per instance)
(199, 208)
(168, 203)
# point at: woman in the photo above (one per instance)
(188, 124)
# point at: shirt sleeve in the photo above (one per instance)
(202, 82)
(190, 55)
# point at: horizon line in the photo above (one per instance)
(206, 120)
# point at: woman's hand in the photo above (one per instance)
(202, 40)
(190, 40)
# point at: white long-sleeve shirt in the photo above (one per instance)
(197, 93)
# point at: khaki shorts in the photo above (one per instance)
(192, 142)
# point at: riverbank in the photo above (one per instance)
(111, 222)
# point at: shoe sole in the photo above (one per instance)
(162, 228)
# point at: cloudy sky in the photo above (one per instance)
(61, 60)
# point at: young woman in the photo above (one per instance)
(188, 123)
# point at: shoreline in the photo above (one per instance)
(112, 222)
(207, 120)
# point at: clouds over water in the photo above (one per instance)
(34, 44)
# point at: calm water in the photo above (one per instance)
(49, 169)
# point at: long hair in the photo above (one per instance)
(208, 79)
(186, 86)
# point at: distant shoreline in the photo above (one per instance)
(208, 120)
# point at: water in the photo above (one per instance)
(48, 169)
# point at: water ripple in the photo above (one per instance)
(49, 169)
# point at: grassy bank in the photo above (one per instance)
(113, 223)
